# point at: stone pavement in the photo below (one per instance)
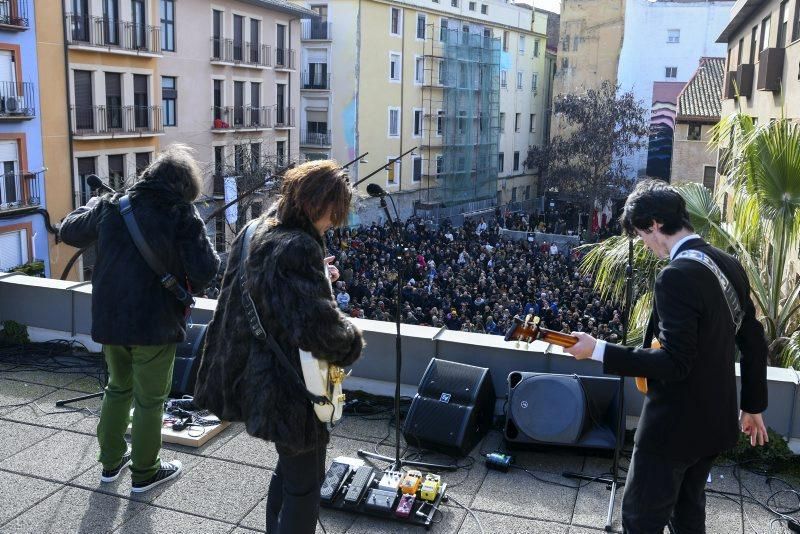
(49, 480)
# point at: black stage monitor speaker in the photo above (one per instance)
(187, 360)
(453, 408)
(580, 411)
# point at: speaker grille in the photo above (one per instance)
(459, 382)
(549, 408)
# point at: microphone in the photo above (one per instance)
(95, 183)
(374, 190)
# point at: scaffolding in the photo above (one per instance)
(461, 116)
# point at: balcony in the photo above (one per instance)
(17, 100)
(283, 117)
(284, 59)
(245, 54)
(770, 69)
(14, 15)
(744, 79)
(729, 85)
(115, 36)
(116, 121)
(20, 192)
(227, 119)
(316, 81)
(319, 139)
(315, 31)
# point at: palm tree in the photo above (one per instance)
(755, 215)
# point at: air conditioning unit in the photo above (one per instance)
(15, 105)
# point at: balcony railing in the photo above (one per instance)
(14, 14)
(284, 58)
(20, 191)
(246, 53)
(283, 117)
(113, 34)
(316, 80)
(315, 138)
(315, 30)
(116, 120)
(17, 100)
(240, 118)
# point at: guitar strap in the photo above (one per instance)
(737, 315)
(257, 328)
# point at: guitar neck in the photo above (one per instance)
(557, 338)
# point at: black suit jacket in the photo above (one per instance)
(691, 408)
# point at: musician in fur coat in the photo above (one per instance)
(241, 379)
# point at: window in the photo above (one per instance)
(519, 80)
(442, 73)
(238, 37)
(671, 72)
(739, 53)
(443, 30)
(783, 24)
(255, 156)
(753, 44)
(238, 104)
(86, 166)
(472, 6)
(392, 171)
(255, 42)
(503, 78)
(533, 122)
(695, 132)
(516, 161)
(505, 41)
(142, 162)
(416, 163)
(502, 122)
(565, 43)
(673, 36)
(709, 177)
(84, 112)
(280, 153)
(796, 22)
(421, 23)
(111, 22)
(439, 122)
(521, 45)
(219, 234)
(219, 160)
(765, 28)
(454, 3)
(439, 164)
(218, 111)
(534, 81)
(484, 9)
(575, 42)
(462, 121)
(394, 67)
(116, 171)
(139, 20)
(168, 25)
(395, 21)
(564, 62)
(216, 35)
(255, 104)
(536, 48)
(169, 97)
(141, 115)
(417, 123)
(238, 158)
(394, 122)
(113, 100)
(516, 122)
(501, 162)
(419, 70)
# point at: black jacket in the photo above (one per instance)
(691, 408)
(129, 304)
(239, 378)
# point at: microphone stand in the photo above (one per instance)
(397, 462)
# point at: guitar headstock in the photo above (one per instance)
(524, 330)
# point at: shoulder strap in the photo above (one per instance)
(734, 306)
(256, 327)
(167, 280)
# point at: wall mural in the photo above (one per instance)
(662, 128)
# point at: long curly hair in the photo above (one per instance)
(308, 190)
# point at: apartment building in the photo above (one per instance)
(23, 228)
(762, 41)
(230, 86)
(432, 78)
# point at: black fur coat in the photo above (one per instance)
(239, 378)
(129, 304)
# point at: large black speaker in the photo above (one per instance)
(453, 408)
(187, 360)
(580, 411)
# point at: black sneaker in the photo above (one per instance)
(110, 475)
(165, 473)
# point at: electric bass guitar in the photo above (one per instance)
(528, 330)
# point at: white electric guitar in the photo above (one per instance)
(324, 379)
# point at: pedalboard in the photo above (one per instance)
(381, 500)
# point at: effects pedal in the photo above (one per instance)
(361, 481)
(390, 481)
(336, 475)
(411, 482)
(405, 506)
(381, 500)
(430, 488)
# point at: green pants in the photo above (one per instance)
(142, 374)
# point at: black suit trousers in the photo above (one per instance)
(660, 490)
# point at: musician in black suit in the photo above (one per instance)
(690, 411)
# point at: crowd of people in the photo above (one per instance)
(467, 278)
